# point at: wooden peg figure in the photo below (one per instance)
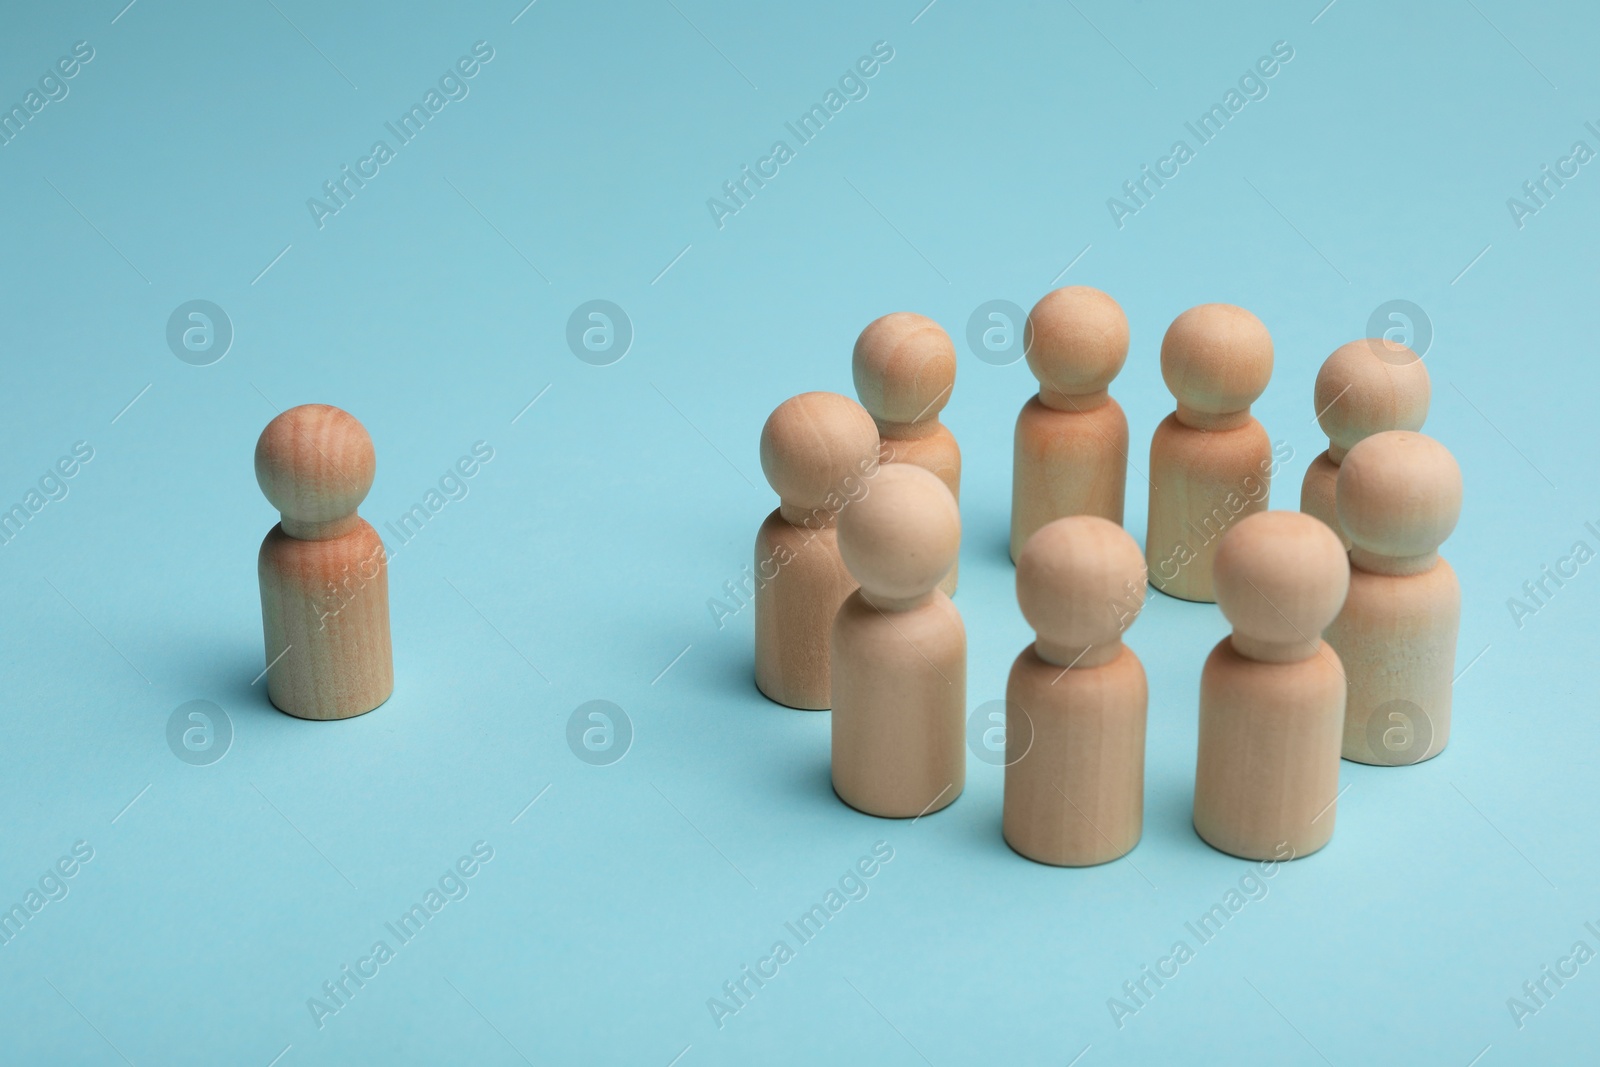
(1210, 461)
(1365, 387)
(905, 368)
(324, 575)
(1071, 449)
(818, 451)
(1272, 695)
(1076, 700)
(1399, 495)
(899, 651)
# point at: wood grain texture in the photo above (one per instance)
(1317, 494)
(1202, 484)
(325, 611)
(819, 451)
(1399, 496)
(323, 572)
(1267, 761)
(1210, 461)
(1075, 796)
(795, 609)
(899, 707)
(1272, 695)
(1364, 387)
(1397, 639)
(904, 366)
(1064, 463)
(1070, 450)
(1077, 698)
(899, 651)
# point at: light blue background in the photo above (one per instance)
(977, 168)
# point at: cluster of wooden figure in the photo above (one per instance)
(1344, 616)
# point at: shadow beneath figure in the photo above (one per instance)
(977, 814)
(731, 672)
(802, 770)
(249, 698)
(222, 671)
(1169, 815)
(1000, 548)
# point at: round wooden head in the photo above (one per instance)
(315, 464)
(1076, 340)
(1080, 584)
(900, 539)
(1280, 578)
(815, 447)
(1367, 387)
(1398, 495)
(1216, 359)
(905, 368)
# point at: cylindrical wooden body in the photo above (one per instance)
(936, 452)
(1074, 790)
(1397, 639)
(1316, 494)
(1202, 482)
(800, 583)
(1067, 463)
(899, 707)
(1267, 770)
(325, 616)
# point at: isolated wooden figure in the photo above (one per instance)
(905, 369)
(1071, 449)
(324, 575)
(1272, 695)
(899, 651)
(818, 451)
(1076, 700)
(1399, 495)
(1365, 387)
(1210, 461)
